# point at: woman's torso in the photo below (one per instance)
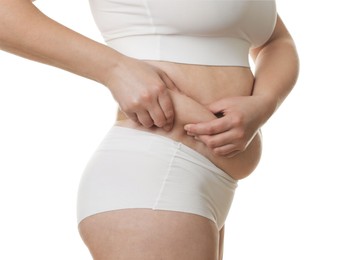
(177, 34)
(200, 86)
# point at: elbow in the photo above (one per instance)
(294, 60)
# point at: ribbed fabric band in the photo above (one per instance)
(184, 49)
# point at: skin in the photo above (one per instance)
(168, 99)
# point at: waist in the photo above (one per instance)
(199, 86)
(221, 51)
(189, 111)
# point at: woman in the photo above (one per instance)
(161, 183)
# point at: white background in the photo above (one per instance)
(301, 203)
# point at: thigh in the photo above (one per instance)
(145, 234)
(221, 243)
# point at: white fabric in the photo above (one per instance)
(207, 32)
(137, 169)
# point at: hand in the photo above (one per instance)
(142, 93)
(239, 119)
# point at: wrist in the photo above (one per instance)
(267, 105)
(110, 65)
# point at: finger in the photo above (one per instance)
(167, 108)
(233, 154)
(226, 150)
(217, 106)
(165, 101)
(145, 119)
(212, 127)
(157, 115)
(132, 116)
(214, 141)
(191, 134)
(169, 83)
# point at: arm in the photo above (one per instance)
(277, 69)
(27, 32)
(277, 66)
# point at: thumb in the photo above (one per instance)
(217, 107)
(169, 83)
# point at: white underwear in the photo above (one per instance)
(136, 169)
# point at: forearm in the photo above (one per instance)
(25, 31)
(277, 69)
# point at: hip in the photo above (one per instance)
(136, 169)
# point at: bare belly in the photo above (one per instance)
(199, 86)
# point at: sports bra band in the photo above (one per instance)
(203, 32)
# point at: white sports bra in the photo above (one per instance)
(204, 32)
